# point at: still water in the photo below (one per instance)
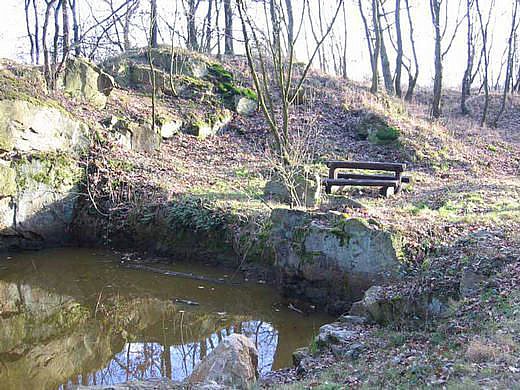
(78, 316)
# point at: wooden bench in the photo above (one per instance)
(389, 184)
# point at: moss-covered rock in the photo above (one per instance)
(84, 80)
(377, 130)
(330, 259)
(26, 126)
(300, 186)
(41, 201)
(206, 126)
(7, 180)
(137, 136)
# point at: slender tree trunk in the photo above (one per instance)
(27, 5)
(154, 24)
(66, 29)
(412, 76)
(75, 28)
(435, 7)
(46, 60)
(372, 50)
(209, 18)
(56, 41)
(192, 28)
(399, 54)
(290, 20)
(36, 32)
(509, 65)
(385, 63)
(466, 80)
(345, 34)
(228, 28)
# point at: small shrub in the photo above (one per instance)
(197, 214)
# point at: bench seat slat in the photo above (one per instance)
(361, 182)
(404, 179)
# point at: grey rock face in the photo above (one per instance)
(84, 80)
(329, 259)
(27, 127)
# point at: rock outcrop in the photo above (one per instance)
(382, 306)
(29, 126)
(233, 363)
(84, 80)
(330, 259)
(40, 144)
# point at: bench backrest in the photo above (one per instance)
(374, 166)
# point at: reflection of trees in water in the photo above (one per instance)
(142, 360)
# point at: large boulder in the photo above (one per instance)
(233, 363)
(384, 306)
(210, 125)
(245, 105)
(28, 127)
(40, 144)
(38, 210)
(330, 259)
(84, 80)
(137, 136)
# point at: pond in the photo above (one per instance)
(80, 316)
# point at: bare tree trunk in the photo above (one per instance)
(192, 28)
(509, 65)
(485, 55)
(209, 17)
(385, 63)
(372, 50)
(228, 28)
(399, 56)
(75, 28)
(290, 20)
(36, 32)
(46, 60)
(66, 29)
(153, 23)
(27, 5)
(435, 7)
(154, 32)
(466, 80)
(412, 76)
(56, 40)
(345, 34)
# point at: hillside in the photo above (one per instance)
(196, 186)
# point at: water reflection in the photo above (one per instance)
(73, 317)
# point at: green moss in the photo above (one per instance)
(7, 181)
(14, 87)
(385, 135)
(52, 169)
(218, 72)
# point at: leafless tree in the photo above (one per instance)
(439, 16)
(373, 38)
(228, 29)
(509, 62)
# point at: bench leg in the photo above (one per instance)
(387, 191)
